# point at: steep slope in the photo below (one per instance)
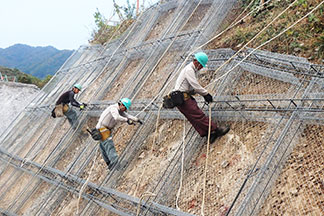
(273, 103)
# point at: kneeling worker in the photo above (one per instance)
(62, 107)
(108, 120)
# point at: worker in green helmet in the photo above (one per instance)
(62, 105)
(188, 85)
(112, 115)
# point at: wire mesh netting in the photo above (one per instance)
(269, 163)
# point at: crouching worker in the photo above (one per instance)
(108, 120)
(62, 106)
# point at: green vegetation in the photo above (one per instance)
(23, 77)
(306, 39)
(104, 32)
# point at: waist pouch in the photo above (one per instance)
(100, 134)
(105, 133)
(58, 110)
(65, 108)
(175, 98)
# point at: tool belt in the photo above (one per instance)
(175, 98)
(105, 133)
(59, 110)
(100, 134)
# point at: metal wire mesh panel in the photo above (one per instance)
(268, 164)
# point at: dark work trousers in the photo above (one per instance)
(108, 152)
(196, 117)
(72, 117)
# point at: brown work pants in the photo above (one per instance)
(196, 117)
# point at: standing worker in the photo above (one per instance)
(62, 107)
(187, 85)
(108, 120)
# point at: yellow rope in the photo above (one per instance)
(206, 164)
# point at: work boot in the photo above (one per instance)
(221, 131)
(212, 138)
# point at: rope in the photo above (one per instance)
(166, 50)
(156, 126)
(146, 194)
(182, 163)
(268, 41)
(86, 182)
(197, 48)
(139, 182)
(206, 164)
(245, 45)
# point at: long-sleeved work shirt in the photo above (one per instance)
(112, 115)
(68, 97)
(187, 81)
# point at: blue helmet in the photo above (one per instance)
(78, 86)
(202, 58)
(126, 102)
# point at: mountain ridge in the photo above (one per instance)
(37, 61)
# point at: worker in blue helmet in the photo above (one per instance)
(112, 115)
(62, 105)
(188, 85)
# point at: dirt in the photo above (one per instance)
(14, 191)
(161, 24)
(72, 151)
(94, 87)
(230, 158)
(153, 159)
(123, 80)
(121, 134)
(299, 190)
(196, 17)
(70, 206)
(158, 77)
(43, 188)
(53, 140)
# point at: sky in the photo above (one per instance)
(63, 24)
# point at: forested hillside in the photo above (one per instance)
(23, 77)
(37, 61)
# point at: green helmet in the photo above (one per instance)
(126, 102)
(202, 58)
(78, 86)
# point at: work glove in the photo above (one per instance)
(53, 113)
(208, 98)
(130, 122)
